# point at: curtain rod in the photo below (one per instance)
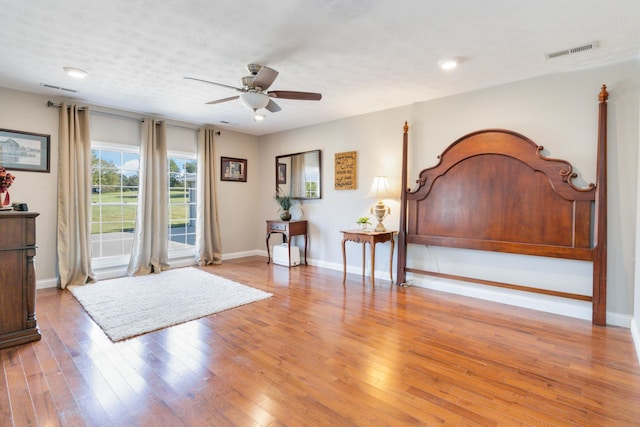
(122, 116)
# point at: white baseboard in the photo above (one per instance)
(635, 334)
(544, 303)
(47, 283)
(352, 269)
(244, 254)
(112, 272)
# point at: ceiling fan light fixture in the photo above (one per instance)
(254, 100)
(75, 72)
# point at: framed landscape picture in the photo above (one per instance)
(232, 169)
(24, 150)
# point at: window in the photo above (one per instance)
(114, 180)
(182, 204)
(311, 180)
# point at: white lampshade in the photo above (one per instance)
(254, 100)
(380, 189)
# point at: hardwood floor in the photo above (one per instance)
(319, 353)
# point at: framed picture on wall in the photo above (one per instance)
(282, 173)
(232, 169)
(24, 150)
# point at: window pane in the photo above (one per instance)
(182, 200)
(114, 193)
(130, 196)
(115, 190)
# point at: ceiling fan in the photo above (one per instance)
(254, 94)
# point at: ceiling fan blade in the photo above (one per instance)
(218, 101)
(265, 78)
(214, 83)
(288, 94)
(273, 107)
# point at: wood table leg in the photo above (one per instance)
(344, 262)
(268, 251)
(391, 259)
(373, 263)
(364, 250)
(306, 239)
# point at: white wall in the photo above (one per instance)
(28, 112)
(239, 219)
(557, 111)
(377, 138)
(635, 323)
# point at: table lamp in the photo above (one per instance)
(380, 189)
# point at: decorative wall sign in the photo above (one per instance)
(25, 151)
(346, 171)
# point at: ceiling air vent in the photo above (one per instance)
(588, 46)
(57, 87)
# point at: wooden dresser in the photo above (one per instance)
(17, 278)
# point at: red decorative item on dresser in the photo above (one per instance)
(6, 179)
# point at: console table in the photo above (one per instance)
(288, 229)
(18, 279)
(371, 237)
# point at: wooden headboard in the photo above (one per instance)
(494, 190)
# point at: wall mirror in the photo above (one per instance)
(299, 174)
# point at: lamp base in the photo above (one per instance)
(380, 227)
(380, 211)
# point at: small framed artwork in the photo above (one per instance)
(233, 169)
(24, 150)
(282, 173)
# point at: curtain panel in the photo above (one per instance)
(149, 253)
(74, 197)
(208, 245)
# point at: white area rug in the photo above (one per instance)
(131, 306)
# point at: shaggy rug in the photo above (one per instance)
(130, 306)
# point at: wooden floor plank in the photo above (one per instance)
(22, 409)
(320, 353)
(39, 388)
(5, 402)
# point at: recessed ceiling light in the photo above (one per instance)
(75, 72)
(449, 63)
(258, 117)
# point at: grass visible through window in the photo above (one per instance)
(116, 211)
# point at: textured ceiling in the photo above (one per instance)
(362, 55)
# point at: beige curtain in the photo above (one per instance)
(149, 253)
(298, 176)
(74, 197)
(208, 246)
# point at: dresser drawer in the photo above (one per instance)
(278, 226)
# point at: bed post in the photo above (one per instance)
(600, 233)
(402, 235)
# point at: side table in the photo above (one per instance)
(371, 237)
(288, 229)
